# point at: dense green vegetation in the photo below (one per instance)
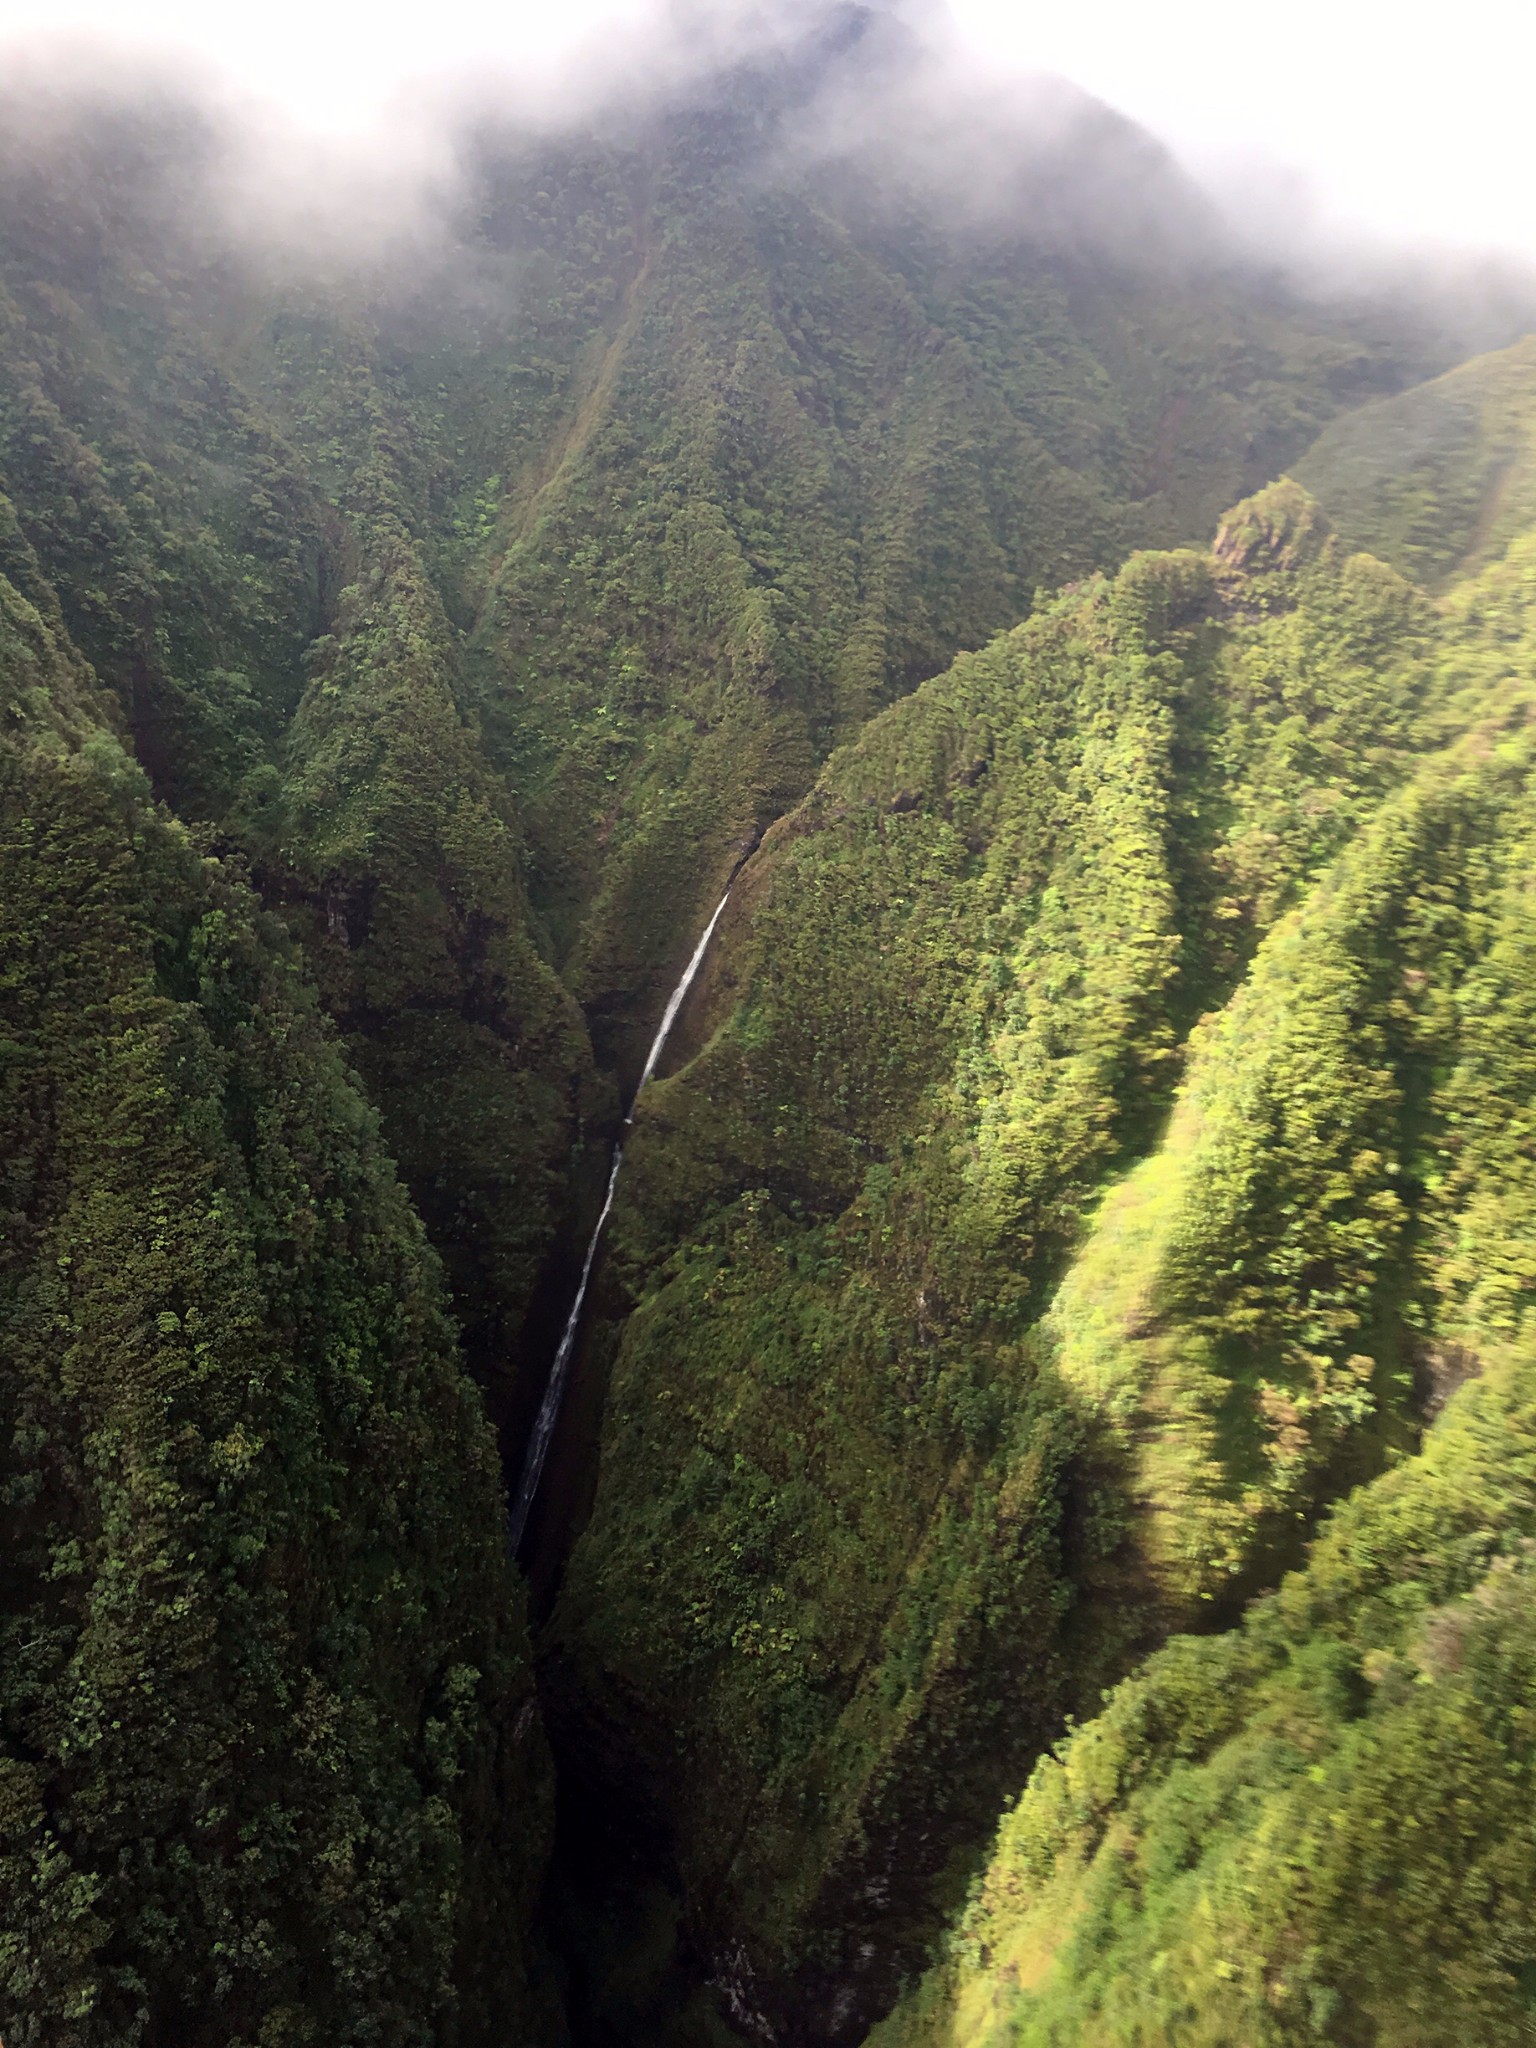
(1101, 1131)
(1440, 479)
(1314, 1828)
(490, 592)
(284, 669)
(935, 1408)
(270, 1767)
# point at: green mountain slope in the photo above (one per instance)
(1310, 1828)
(878, 1503)
(491, 591)
(1273, 1835)
(823, 440)
(283, 668)
(1074, 1152)
(1440, 479)
(270, 1765)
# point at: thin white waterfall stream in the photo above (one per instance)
(549, 1407)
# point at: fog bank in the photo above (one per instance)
(1317, 122)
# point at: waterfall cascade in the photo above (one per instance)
(549, 1407)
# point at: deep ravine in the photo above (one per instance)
(549, 1407)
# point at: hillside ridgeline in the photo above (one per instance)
(1095, 1136)
(1090, 1156)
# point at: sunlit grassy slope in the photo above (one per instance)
(1440, 479)
(1314, 1825)
(1073, 1177)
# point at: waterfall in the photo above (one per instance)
(674, 1004)
(549, 1407)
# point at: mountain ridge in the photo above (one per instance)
(1070, 1157)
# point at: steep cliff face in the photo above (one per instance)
(283, 668)
(270, 1763)
(1041, 1230)
(1309, 1827)
(1045, 1221)
(491, 591)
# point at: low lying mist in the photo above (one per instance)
(353, 138)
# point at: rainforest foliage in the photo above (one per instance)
(489, 590)
(1438, 480)
(1099, 1146)
(271, 1769)
(1313, 1828)
(1106, 1123)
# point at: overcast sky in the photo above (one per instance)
(1411, 119)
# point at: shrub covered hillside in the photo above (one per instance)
(1315, 1826)
(1440, 479)
(1104, 1117)
(488, 587)
(270, 1764)
(281, 663)
(1095, 1131)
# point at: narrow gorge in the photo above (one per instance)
(549, 1407)
(767, 1078)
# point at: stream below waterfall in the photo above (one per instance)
(559, 1372)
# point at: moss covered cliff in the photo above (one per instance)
(1097, 1135)
(1070, 1179)
(270, 1764)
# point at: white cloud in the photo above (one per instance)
(337, 66)
(1415, 120)
(1412, 121)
